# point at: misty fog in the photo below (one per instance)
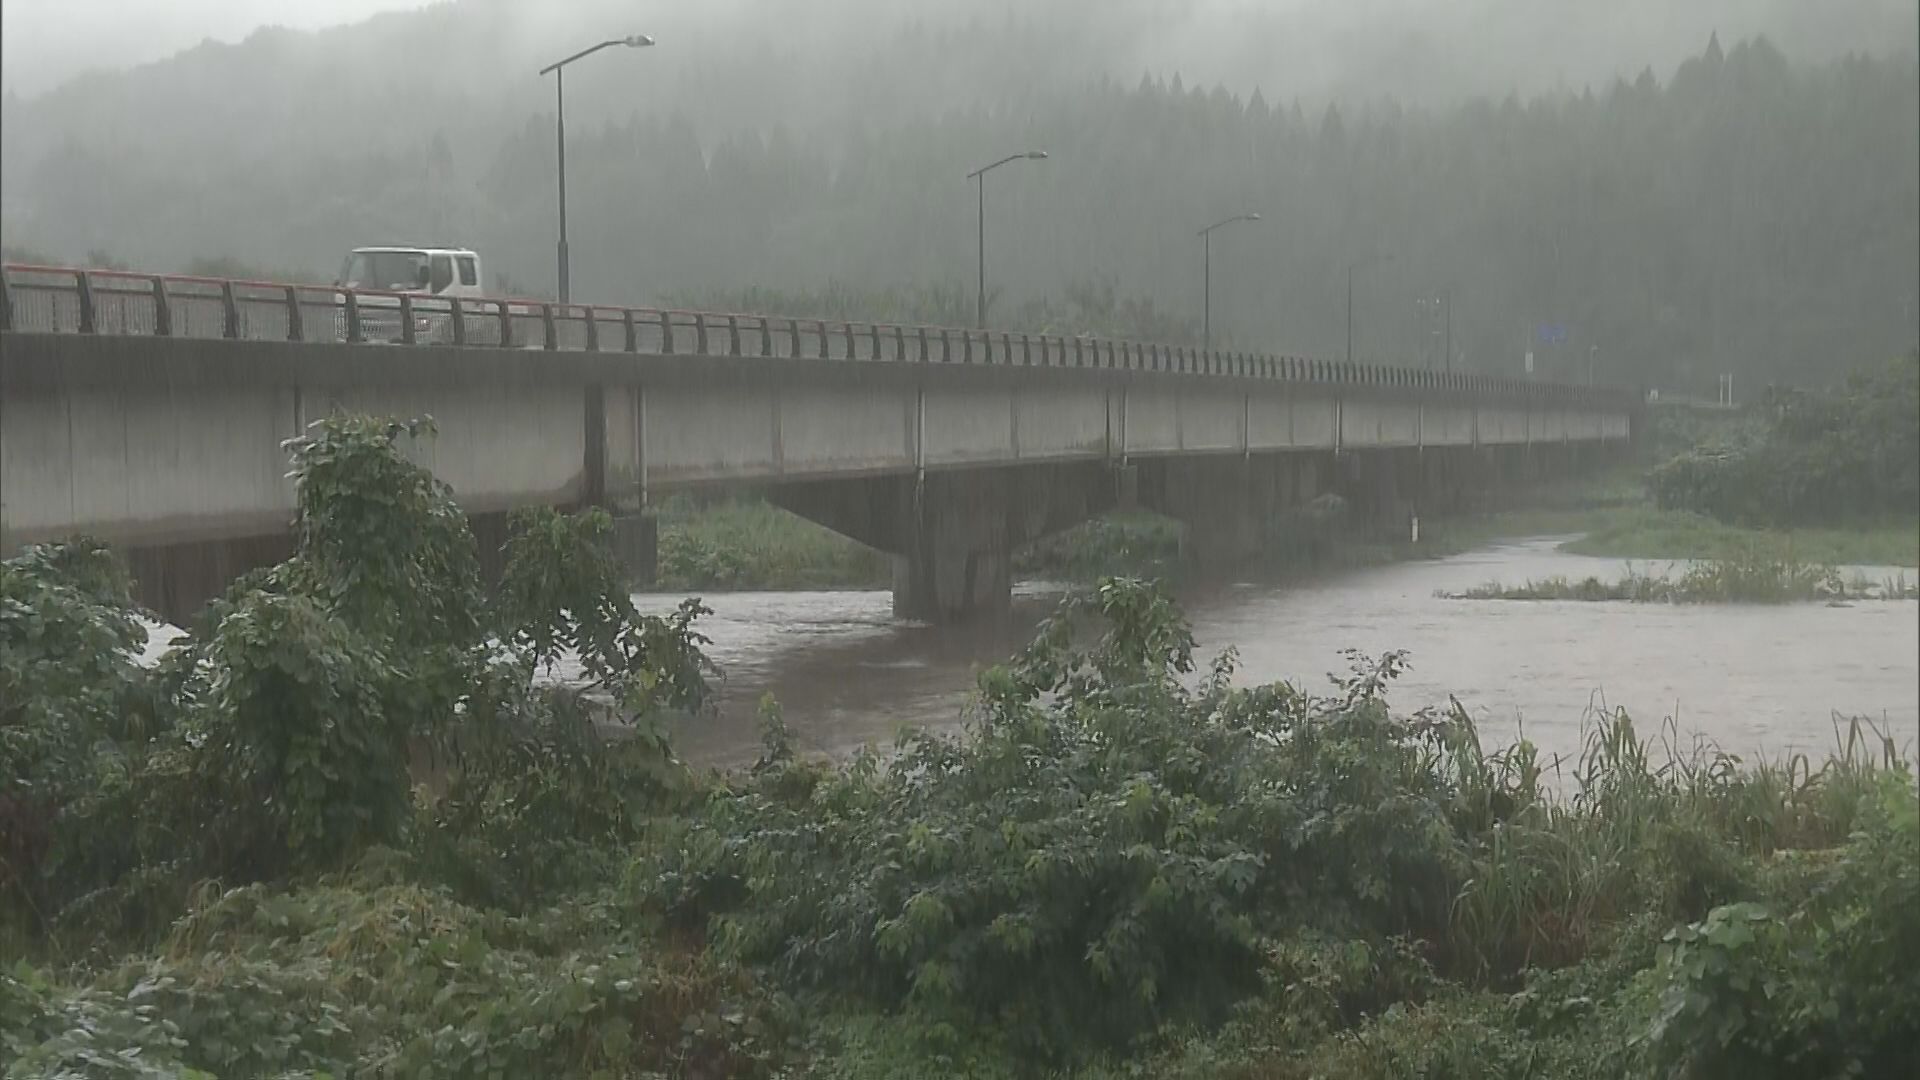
(1685, 208)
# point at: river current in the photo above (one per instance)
(1753, 679)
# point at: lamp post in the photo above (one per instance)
(1351, 267)
(1206, 303)
(1592, 351)
(635, 41)
(980, 176)
(1439, 307)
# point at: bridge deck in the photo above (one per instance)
(150, 409)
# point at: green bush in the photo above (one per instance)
(1829, 989)
(1101, 856)
(339, 832)
(356, 977)
(1810, 458)
(277, 737)
(68, 684)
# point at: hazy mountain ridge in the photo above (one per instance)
(1695, 218)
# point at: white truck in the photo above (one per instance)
(432, 274)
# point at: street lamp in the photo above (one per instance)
(1351, 267)
(980, 175)
(1206, 304)
(1592, 351)
(1440, 307)
(634, 41)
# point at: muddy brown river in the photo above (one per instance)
(1755, 679)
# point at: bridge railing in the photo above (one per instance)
(53, 299)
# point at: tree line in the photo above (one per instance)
(1746, 215)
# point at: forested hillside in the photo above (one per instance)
(1751, 210)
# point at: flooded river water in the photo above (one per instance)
(1752, 678)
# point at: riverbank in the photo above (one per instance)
(1086, 886)
(748, 544)
(849, 674)
(1132, 864)
(1743, 580)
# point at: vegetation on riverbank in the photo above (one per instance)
(747, 543)
(1803, 457)
(223, 865)
(1725, 581)
(1714, 492)
(1136, 544)
(1649, 533)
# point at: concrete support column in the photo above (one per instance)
(175, 581)
(1371, 489)
(953, 534)
(636, 543)
(1443, 481)
(957, 557)
(1307, 478)
(1226, 503)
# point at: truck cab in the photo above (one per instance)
(423, 271)
(431, 274)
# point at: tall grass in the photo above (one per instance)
(1644, 532)
(1745, 580)
(749, 544)
(1666, 830)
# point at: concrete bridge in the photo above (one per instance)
(148, 411)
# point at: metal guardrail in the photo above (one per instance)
(54, 299)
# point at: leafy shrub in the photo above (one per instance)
(68, 682)
(536, 793)
(1827, 990)
(360, 978)
(277, 737)
(1812, 457)
(1100, 857)
(293, 725)
(1126, 867)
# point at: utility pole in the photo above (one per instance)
(1437, 311)
(980, 176)
(634, 41)
(1206, 303)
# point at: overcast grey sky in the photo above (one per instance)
(43, 42)
(1493, 45)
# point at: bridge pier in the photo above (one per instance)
(1378, 490)
(636, 543)
(1224, 502)
(957, 557)
(953, 534)
(947, 450)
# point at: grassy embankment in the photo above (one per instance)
(749, 544)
